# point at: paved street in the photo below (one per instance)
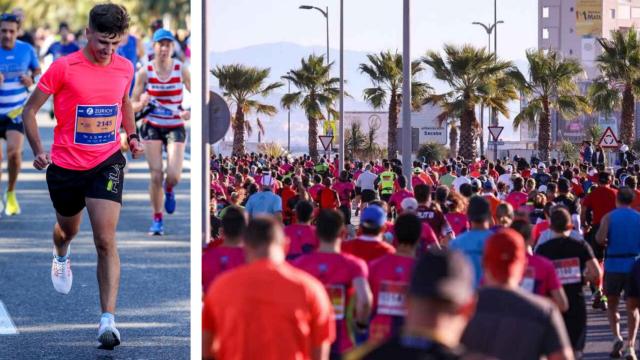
(153, 312)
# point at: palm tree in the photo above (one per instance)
(551, 86)
(619, 64)
(372, 149)
(240, 84)
(475, 77)
(354, 140)
(385, 72)
(316, 91)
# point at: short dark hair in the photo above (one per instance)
(563, 185)
(234, 221)
(304, 209)
(110, 19)
(408, 229)
(625, 195)
(422, 192)
(261, 231)
(560, 219)
(631, 181)
(523, 227)
(479, 209)
(329, 225)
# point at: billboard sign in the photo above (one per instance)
(589, 17)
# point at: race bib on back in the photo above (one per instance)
(391, 298)
(338, 297)
(95, 124)
(568, 270)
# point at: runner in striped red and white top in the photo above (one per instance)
(159, 86)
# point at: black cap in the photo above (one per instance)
(443, 275)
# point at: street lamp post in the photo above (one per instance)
(289, 117)
(406, 92)
(489, 29)
(324, 13)
(341, 126)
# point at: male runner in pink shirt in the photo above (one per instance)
(343, 275)
(389, 278)
(301, 235)
(90, 91)
(230, 254)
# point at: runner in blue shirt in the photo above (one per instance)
(18, 67)
(63, 47)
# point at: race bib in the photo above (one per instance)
(161, 111)
(529, 280)
(391, 297)
(568, 271)
(338, 298)
(95, 124)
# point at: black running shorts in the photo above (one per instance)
(7, 124)
(166, 135)
(68, 189)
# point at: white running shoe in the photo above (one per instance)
(108, 335)
(61, 275)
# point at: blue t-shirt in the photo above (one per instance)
(471, 243)
(130, 52)
(58, 50)
(623, 245)
(14, 63)
(264, 202)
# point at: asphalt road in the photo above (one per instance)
(153, 313)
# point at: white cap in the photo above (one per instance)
(541, 166)
(409, 204)
(542, 188)
(624, 148)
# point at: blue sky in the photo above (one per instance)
(374, 25)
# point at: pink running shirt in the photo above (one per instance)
(336, 272)
(218, 260)
(540, 276)
(389, 278)
(344, 190)
(87, 99)
(302, 239)
(396, 199)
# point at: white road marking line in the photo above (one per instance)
(6, 324)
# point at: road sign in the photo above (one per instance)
(608, 139)
(500, 142)
(495, 131)
(219, 117)
(326, 140)
(433, 135)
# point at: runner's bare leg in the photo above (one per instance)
(104, 216)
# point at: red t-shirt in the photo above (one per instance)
(217, 260)
(458, 221)
(268, 311)
(302, 239)
(389, 278)
(434, 218)
(396, 199)
(367, 248)
(600, 200)
(516, 199)
(336, 272)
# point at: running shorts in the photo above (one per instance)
(150, 132)
(68, 189)
(7, 124)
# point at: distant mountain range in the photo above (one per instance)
(282, 57)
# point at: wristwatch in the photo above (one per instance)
(131, 137)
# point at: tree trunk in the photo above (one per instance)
(238, 133)
(468, 135)
(544, 132)
(394, 112)
(453, 142)
(313, 138)
(627, 128)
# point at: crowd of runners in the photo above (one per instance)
(101, 81)
(476, 259)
